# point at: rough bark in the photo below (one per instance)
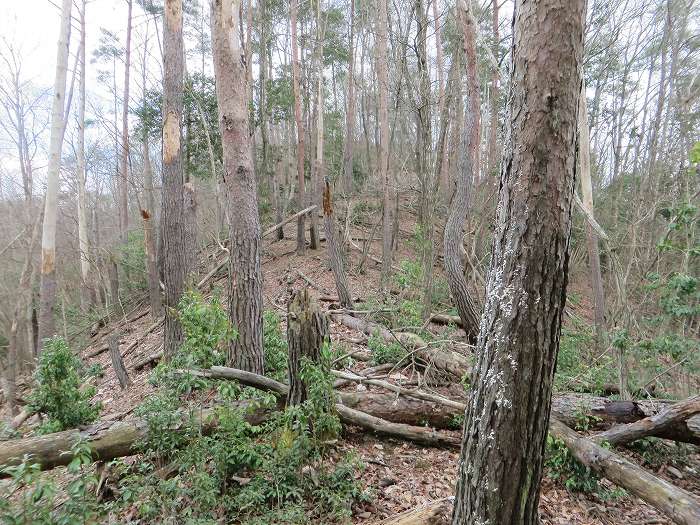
(506, 421)
(682, 507)
(457, 214)
(118, 362)
(335, 252)
(47, 291)
(245, 287)
(307, 332)
(173, 213)
(301, 190)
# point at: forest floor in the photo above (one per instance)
(400, 475)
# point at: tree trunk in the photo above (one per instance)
(149, 238)
(492, 161)
(190, 207)
(245, 306)
(307, 332)
(349, 139)
(682, 507)
(335, 252)
(83, 241)
(117, 361)
(47, 291)
(124, 151)
(383, 117)
(301, 221)
(173, 213)
(506, 421)
(466, 169)
(591, 237)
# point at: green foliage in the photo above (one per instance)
(57, 393)
(563, 467)
(40, 502)
(206, 329)
(275, 345)
(577, 339)
(132, 259)
(655, 452)
(383, 352)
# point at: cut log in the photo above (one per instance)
(118, 362)
(445, 360)
(446, 319)
(430, 514)
(307, 332)
(147, 360)
(681, 506)
(667, 422)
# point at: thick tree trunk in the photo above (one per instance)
(301, 190)
(118, 362)
(173, 213)
(124, 151)
(682, 507)
(452, 238)
(47, 292)
(506, 421)
(245, 300)
(335, 252)
(307, 332)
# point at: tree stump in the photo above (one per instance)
(307, 330)
(117, 361)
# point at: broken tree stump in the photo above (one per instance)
(118, 362)
(307, 332)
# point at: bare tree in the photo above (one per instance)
(508, 412)
(301, 222)
(246, 305)
(349, 140)
(383, 117)
(124, 151)
(48, 239)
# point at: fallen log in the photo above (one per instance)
(681, 506)
(668, 422)
(446, 319)
(132, 345)
(445, 360)
(430, 514)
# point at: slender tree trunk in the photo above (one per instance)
(173, 214)
(492, 161)
(507, 417)
(314, 242)
(335, 252)
(246, 350)
(443, 176)
(383, 116)
(591, 237)
(83, 241)
(301, 222)
(124, 152)
(466, 169)
(349, 141)
(47, 292)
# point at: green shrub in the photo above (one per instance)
(275, 345)
(383, 352)
(57, 393)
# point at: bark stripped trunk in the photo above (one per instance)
(173, 213)
(307, 332)
(335, 252)
(47, 292)
(301, 221)
(383, 116)
(245, 306)
(506, 421)
(124, 152)
(466, 169)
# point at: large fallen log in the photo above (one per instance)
(670, 422)
(681, 506)
(445, 360)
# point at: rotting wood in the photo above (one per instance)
(118, 362)
(682, 507)
(430, 514)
